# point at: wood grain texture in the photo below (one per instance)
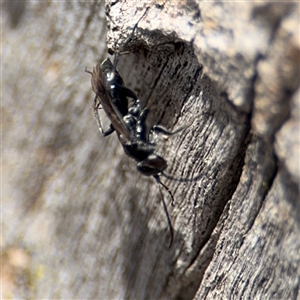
(79, 222)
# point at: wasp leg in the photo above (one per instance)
(163, 130)
(117, 54)
(165, 207)
(109, 131)
(96, 107)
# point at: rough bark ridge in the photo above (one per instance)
(80, 222)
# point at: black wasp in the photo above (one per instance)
(129, 122)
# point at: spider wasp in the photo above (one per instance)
(129, 122)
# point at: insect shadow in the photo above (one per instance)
(129, 121)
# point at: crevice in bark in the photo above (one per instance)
(188, 290)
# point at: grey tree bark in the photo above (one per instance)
(78, 220)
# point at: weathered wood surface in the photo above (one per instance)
(78, 221)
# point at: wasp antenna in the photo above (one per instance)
(166, 188)
(165, 207)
